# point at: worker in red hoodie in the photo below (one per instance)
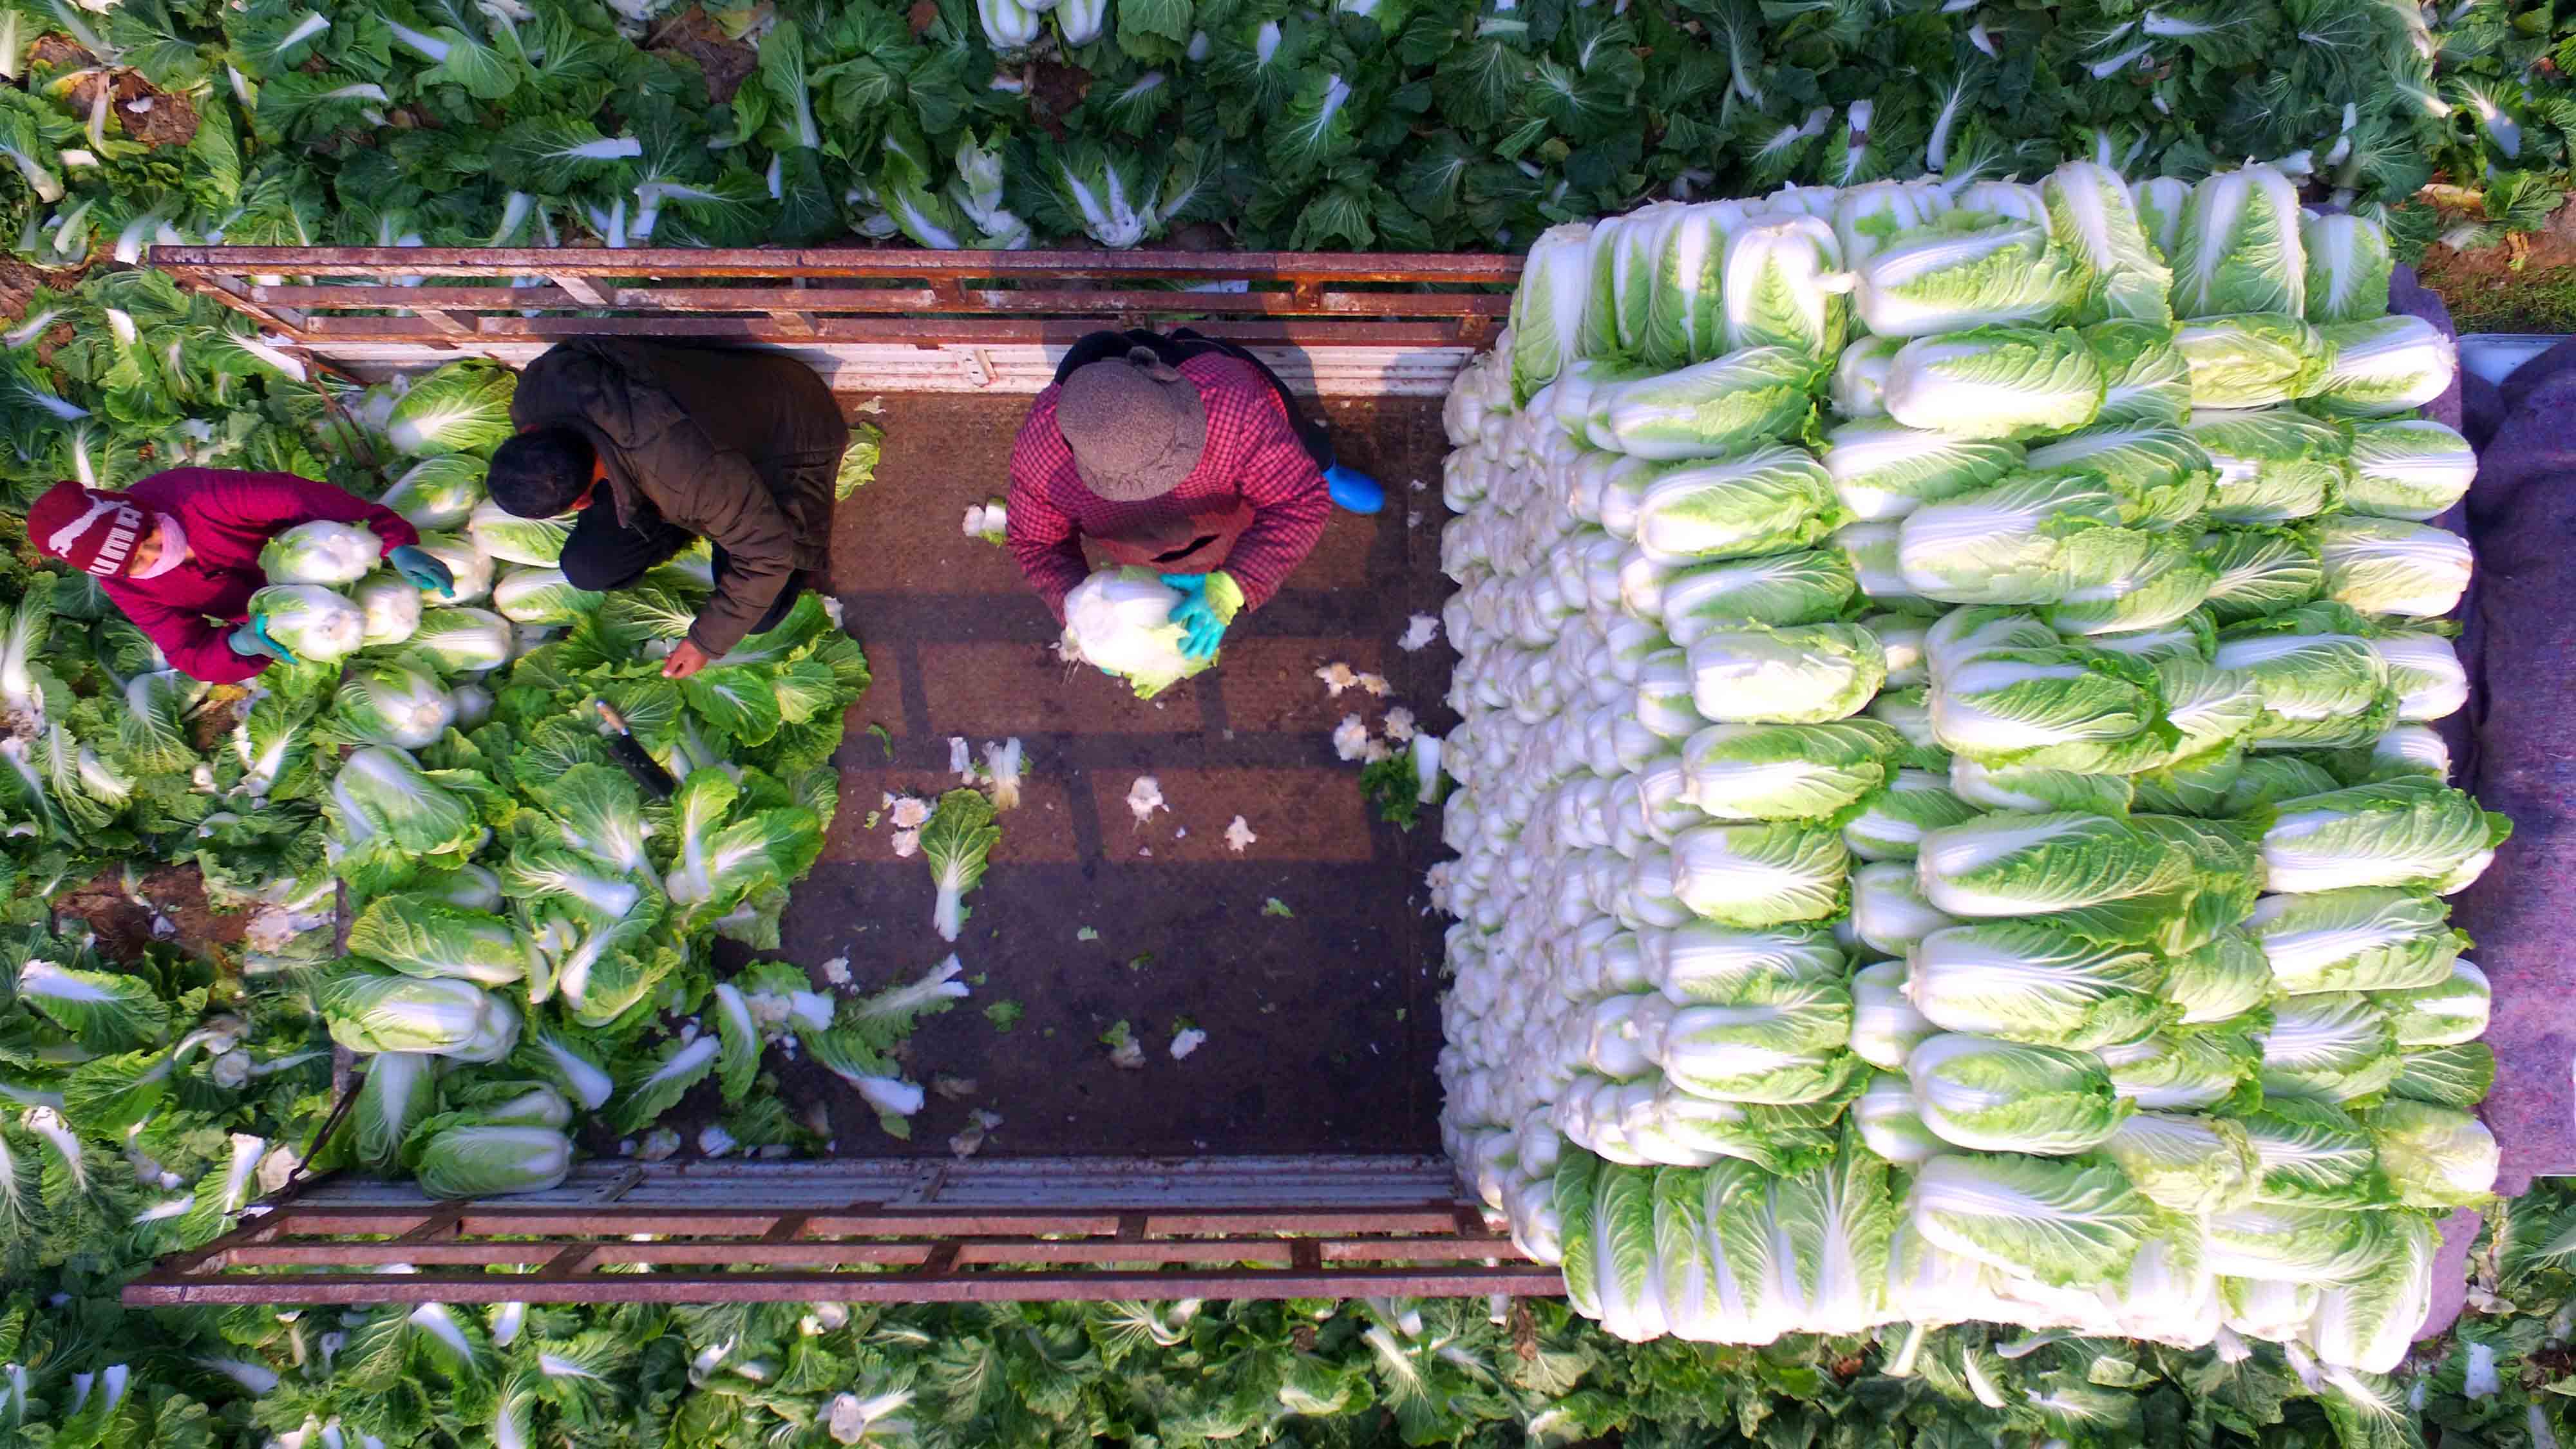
(179, 553)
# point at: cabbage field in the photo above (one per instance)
(1389, 124)
(1952, 831)
(1950, 825)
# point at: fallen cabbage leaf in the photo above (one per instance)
(1351, 738)
(1144, 798)
(1002, 767)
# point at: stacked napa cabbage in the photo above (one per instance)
(1948, 828)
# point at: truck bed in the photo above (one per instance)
(1322, 1026)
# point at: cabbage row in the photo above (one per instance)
(1949, 829)
(1384, 124)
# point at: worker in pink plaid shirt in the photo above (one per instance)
(1181, 454)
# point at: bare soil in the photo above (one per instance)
(1055, 90)
(58, 50)
(2528, 284)
(723, 60)
(150, 115)
(124, 926)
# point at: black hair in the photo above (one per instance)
(539, 473)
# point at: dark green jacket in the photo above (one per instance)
(737, 445)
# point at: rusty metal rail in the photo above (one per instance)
(917, 1232)
(319, 296)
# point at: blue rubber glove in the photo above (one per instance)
(1201, 629)
(422, 570)
(252, 639)
(1187, 583)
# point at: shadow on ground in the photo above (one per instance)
(1323, 1026)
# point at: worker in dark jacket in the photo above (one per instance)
(658, 446)
(1181, 454)
(179, 553)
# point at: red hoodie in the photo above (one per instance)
(228, 517)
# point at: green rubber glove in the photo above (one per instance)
(252, 639)
(1209, 602)
(1201, 629)
(423, 570)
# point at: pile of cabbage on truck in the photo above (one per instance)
(1948, 829)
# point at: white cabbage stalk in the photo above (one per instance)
(389, 607)
(320, 553)
(392, 704)
(1785, 287)
(2091, 215)
(2390, 566)
(2412, 468)
(311, 621)
(1119, 620)
(1882, 469)
(1891, 1122)
(2385, 366)
(2238, 248)
(1547, 309)
(2349, 266)
(1859, 387)
(2000, 383)
(1969, 268)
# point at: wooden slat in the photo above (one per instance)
(463, 299)
(928, 332)
(1273, 1251)
(895, 296)
(791, 1251)
(160, 1290)
(408, 1224)
(442, 321)
(578, 287)
(903, 1254)
(559, 264)
(440, 1224)
(756, 1243)
(897, 301)
(375, 1255)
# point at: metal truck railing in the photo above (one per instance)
(872, 1230)
(1374, 323)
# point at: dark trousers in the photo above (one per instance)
(605, 554)
(1184, 344)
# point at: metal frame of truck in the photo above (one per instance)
(878, 320)
(871, 1229)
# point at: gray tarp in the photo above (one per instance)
(2515, 746)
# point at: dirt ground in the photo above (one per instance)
(124, 924)
(2526, 285)
(1321, 1012)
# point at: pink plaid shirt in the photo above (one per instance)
(1252, 455)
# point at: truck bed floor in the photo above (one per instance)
(1322, 1026)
